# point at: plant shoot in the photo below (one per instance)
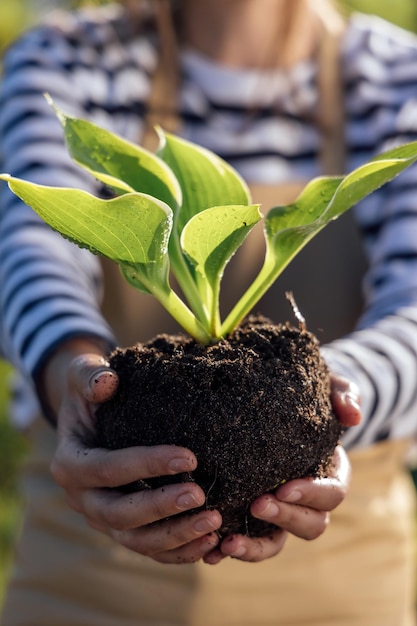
(184, 211)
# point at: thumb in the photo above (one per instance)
(346, 400)
(91, 375)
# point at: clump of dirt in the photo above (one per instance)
(254, 408)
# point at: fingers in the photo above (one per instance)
(302, 506)
(131, 521)
(90, 374)
(77, 467)
(185, 539)
(139, 522)
(122, 512)
(89, 381)
(300, 520)
(192, 551)
(250, 550)
(345, 398)
(323, 494)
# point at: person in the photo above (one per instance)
(284, 91)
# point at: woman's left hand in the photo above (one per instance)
(302, 506)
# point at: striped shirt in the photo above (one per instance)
(95, 67)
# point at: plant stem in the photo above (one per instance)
(185, 280)
(261, 284)
(184, 316)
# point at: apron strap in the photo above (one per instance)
(331, 115)
(162, 103)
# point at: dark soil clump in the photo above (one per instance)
(254, 409)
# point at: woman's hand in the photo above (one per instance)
(300, 507)
(88, 474)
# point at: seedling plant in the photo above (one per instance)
(185, 211)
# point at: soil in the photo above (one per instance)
(254, 409)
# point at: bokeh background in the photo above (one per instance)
(16, 16)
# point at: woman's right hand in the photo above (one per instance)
(90, 476)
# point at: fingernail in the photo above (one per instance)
(181, 464)
(204, 525)
(105, 378)
(189, 500)
(101, 382)
(271, 509)
(351, 399)
(238, 553)
(212, 540)
(293, 496)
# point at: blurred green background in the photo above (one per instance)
(15, 16)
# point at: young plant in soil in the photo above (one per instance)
(250, 398)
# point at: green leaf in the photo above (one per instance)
(205, 179)
(289, 228)
(118, 163)
(132, 229)
(209, 240)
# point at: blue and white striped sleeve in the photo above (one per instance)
(381, 354)
(50, 288)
